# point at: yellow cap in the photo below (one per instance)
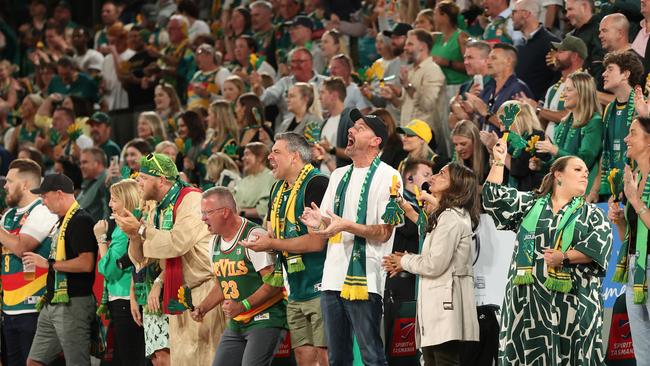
(419, 128)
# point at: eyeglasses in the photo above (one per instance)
(205, 214)
(151, 156)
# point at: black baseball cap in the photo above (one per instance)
(303, 20)
(399, 29)
(375, 123)
(55, 182)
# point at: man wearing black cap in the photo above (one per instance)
(352, 218)
(68, 306)
(301, 29)
(100, 131)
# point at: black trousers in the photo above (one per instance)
(129, 337)
(17, 335)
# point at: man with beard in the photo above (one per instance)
(570, 56)
(25, 228)
(422, 95)
(174, 233)
(352, 218)
(303, 256)
(100, 131)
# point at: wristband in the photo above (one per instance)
(332, 151)
(497, 163)
(246, 304)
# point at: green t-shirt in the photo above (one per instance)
(111, 149)
(449, 50)
(84, 86)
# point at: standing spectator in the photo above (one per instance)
(25, 228)
(63, 16)
(640, 43)
(422, 95)
(580, 14)
(191, 136)
(69, 81)
(115, 97)
(334, 132)
(531, 64)
(176, 61)
(100, 131)
(623, 70)
(68, 302)
(300, 30)
(390, 65)
(331, 44)
(168, 107)
(207, 82)
(476, 65)
(302, 70)
(242, 293)
(174, 233)
(132, 75)
(415, 141)
(88, 60)
(245, 47)
(580, 133)
(263, 30)
(503, 86)
(447, 248)
(94, 195)
(425, 20)
(350, 217)
(500, 28)
(341, 66)
(614, 36)
(449, 45)
(129, 336)
(110, 15)
(252, 192)
(190, 10)
(305, 256)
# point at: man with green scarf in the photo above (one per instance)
(174, 233)
(351, 217)
(302, 253)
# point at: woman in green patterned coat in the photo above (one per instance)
(633, 222)
(552, 312)
(580, 133)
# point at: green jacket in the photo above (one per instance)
(118, 281)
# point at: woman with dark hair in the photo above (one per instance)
(249, 112)
(238, 25)
(130, 165)
(191, 136)
(633, 222)
(449, 45)
(245, 46)
(168, 106)
(393, 151)
(446, 307)
(555, 278)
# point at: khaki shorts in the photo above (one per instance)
(305, 321)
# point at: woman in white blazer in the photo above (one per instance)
(446, 308)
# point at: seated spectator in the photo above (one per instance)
(223, 130)
(249, 112)
(115, 97)
(207, 82)
(191, 136)
(246, 51)
(393, 152)
(129, 168)
(221, 171)
(468, 149)
(253, 191)
(531, 65)
(233, 87)
(168, 148)
(341, 66)
(301, 28)
(27, 132)
(94, 195)
(68, 81)
(66, 137)
(88, 60)
(168, 107)
(580, 133)
(27, 151)
(151, 128)
(306, 118)
(415, 140)
(109, 16)
(449, 45)
(504, 86)
(237, 23)
(100, 131)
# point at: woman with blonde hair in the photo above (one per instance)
(221, 171)
(332, 43)
(168, 106)
(424, 20)
(306, 120)
(468, 149)
(27, 132)
(580, 133)
(117, 301)
(223, 131)
(151, 128)
(233, 87)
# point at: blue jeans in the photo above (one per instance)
(342, 317)
(17, 333)
(639, 315)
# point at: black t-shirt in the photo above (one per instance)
(79, 238)
(139, 98)
(314, 191)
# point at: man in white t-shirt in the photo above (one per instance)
(350, 217)
(25, 228)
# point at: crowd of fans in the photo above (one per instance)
(239, 98)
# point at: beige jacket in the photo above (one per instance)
(446, 308)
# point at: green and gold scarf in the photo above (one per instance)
(640, 286)
(355, 285)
